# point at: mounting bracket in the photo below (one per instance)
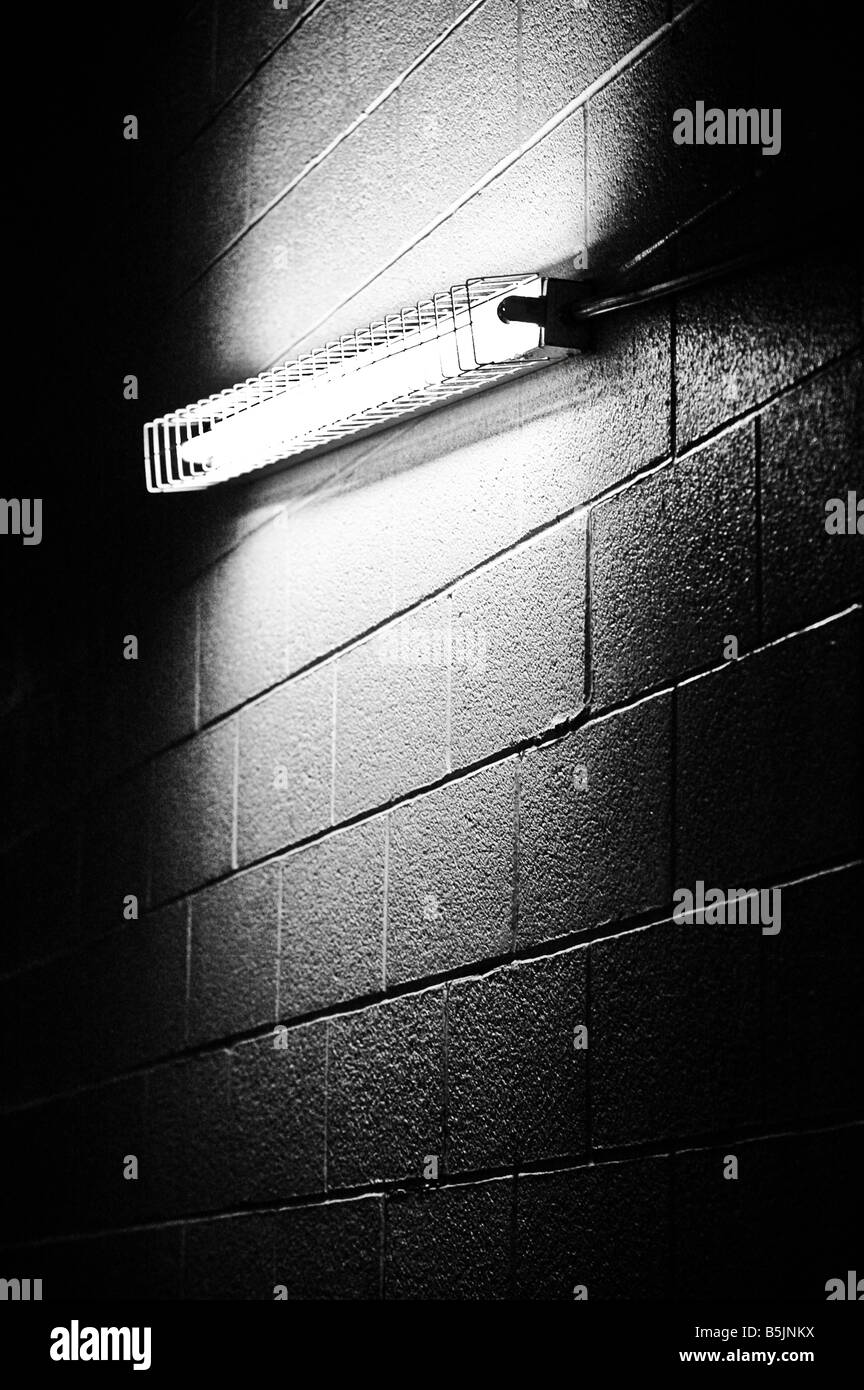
(555, 311)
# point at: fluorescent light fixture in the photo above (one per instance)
(455, 344)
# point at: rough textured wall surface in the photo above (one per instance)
(424, 736)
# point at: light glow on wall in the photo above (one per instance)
(451, 345)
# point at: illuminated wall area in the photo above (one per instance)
(355, 865)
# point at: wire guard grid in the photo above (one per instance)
(410, 362)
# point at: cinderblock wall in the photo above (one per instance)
(345, 909)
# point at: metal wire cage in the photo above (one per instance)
(409, 363)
